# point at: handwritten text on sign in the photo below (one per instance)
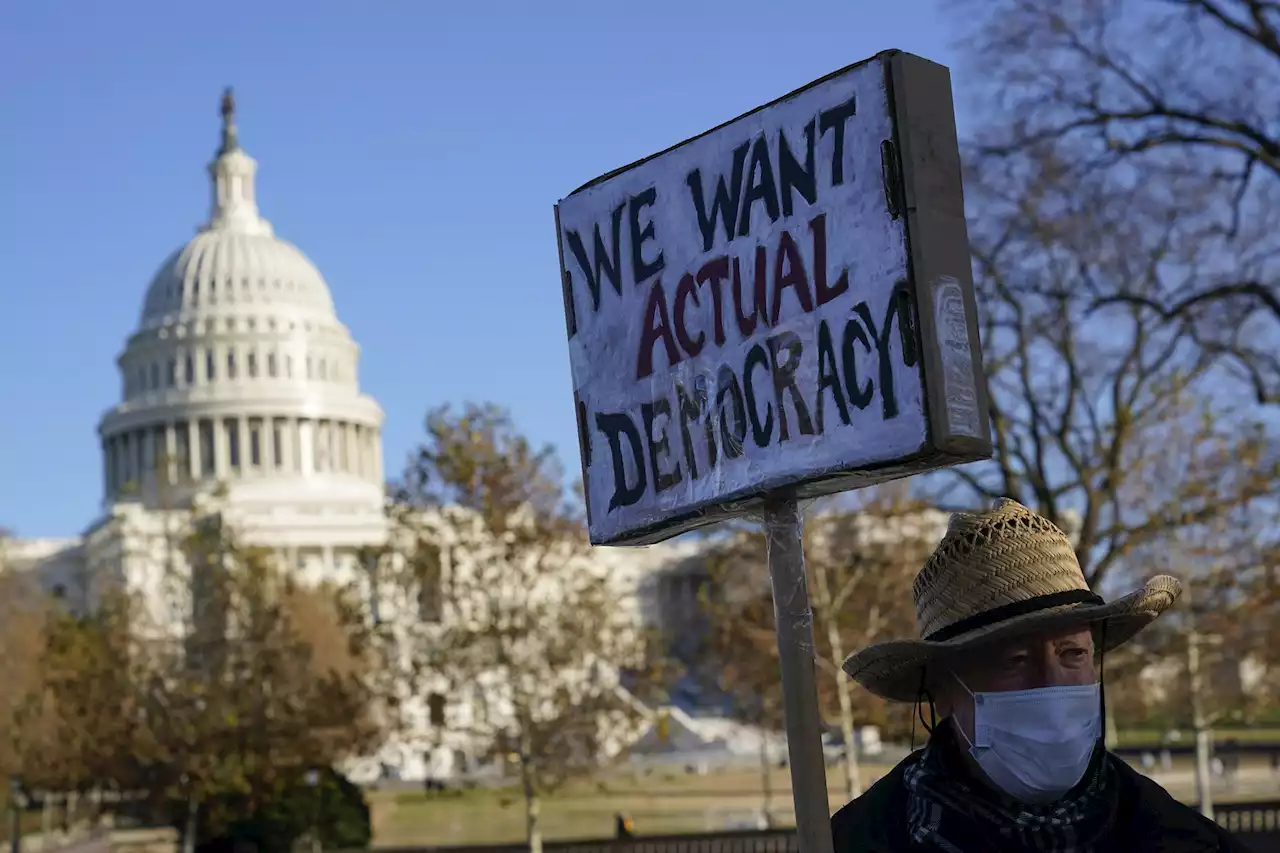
(733, 311)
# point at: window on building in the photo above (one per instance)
(233, 443)
(308, 367)
(323, 367)
(430, 572)
(435, 709)
(189, 370)
(59, 591)
(271, 364)
(231, 364)
(171, 373)
(207, 466)
(210, 365)
(277, 443)
(155, 375)
(288, 367)
(252, 365)
(255, 443)
(342, 449)
(141, 387)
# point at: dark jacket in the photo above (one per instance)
(1149, 820)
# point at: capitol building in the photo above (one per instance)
(241, 381)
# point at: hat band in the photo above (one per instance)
(1009, 611)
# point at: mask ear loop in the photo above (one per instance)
(922, 695)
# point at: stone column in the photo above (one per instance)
(193, 449)
(288, 429)
(108, 469)
(351, 433)
(306, 456)
(379, 475)
(170, 454)
(149, 482)
(220, 454)
(246, 456)
(124, 452)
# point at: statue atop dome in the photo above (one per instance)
(228, 106)
(228, 109)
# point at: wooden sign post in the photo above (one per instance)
(777, 309)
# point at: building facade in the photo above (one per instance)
(240, 384)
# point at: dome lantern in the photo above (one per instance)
(234, 206)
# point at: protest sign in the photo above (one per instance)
(783, 303)
(781, 307)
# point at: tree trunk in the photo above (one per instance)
(1204, 736)
(766, 780)
(844, 692)
(852, 776)
(189, 829)
(532, 803)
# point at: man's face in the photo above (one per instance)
(1023, 663)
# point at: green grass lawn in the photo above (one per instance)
(661, 802)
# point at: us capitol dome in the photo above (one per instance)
(239, 383)
(241, 374)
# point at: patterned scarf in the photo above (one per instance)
(947, 810)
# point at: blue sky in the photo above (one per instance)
(413, 150)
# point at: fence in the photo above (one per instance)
(1256, 825)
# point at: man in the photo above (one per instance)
(1009, 656)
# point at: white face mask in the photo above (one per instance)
(1035, 744)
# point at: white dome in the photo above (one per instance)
(224, 268)
(240, 373)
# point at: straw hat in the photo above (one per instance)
(997, 574)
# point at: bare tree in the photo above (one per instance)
(1177, 98)
(1093, 404)
(522, 625)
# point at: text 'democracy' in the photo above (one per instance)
(738, 311)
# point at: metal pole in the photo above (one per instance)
(794, 619)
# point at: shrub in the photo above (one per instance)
(335, 808)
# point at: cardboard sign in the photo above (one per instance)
(782, 303)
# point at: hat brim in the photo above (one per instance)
(893, 669)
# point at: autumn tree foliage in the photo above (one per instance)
(263, 683)
(24, 614)
(520, 627)
(262, 680)
(861, 554)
